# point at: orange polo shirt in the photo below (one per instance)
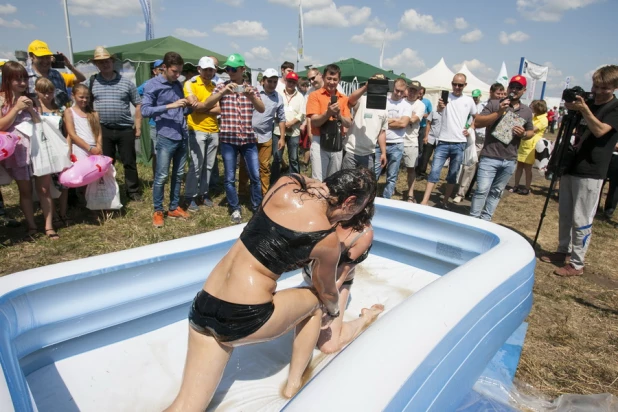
(318, 102)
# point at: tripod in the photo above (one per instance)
(556, 168)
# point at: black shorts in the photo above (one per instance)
(226, 321)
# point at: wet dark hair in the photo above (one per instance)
(360, 182)
(361, 219)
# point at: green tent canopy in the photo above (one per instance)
(147, 52)
(351, 68)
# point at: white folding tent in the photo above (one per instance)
(437, 78)
(474, 83)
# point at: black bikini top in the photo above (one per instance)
(345, 258)
(278, 248)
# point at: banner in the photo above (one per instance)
(147, 10)
(530, 90)
(535, 71)
(503, 78)
(301, 32)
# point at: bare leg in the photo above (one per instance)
(42, 184)
(306, 336)
(448, 192)
(64, 202)
(427, 194)
(25, 202)
(518, 172)
(206, 360)
(411, 180)
(528, 170)
(341, 333)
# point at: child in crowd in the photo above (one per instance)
(83, 125)
(525, 153)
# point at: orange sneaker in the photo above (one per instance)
(157, 219)
(178, 213)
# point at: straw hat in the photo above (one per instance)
(101, 53)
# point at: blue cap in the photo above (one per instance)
(157, 63)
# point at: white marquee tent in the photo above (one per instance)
(474, 83)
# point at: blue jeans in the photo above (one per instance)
(229, 153)
(169, 152)
(443, 151)
(491, 179)
(394, 153)
(292, 143)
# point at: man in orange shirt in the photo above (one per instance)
(323, 112)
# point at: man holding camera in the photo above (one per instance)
(237, 100)
(498, 158)
(580, 185)
(329, 113)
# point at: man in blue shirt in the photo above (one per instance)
(263, 124)
(165, 103)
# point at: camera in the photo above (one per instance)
(569, 95)
(240, 89)
(57, 61)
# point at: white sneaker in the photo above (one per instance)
(236, 217)
(457, 199)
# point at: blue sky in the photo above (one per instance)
(573, 37)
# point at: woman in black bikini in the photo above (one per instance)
(356, 237)
(238, 304)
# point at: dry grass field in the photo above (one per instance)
(572, 341)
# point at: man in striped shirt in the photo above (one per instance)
(237, 100)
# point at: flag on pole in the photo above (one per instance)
(147, 10)
(301, 31)
(503, 78)
(535, 71)
(382, 50)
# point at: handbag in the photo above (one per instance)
(103, 193)
(330, 136)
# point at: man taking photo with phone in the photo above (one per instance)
(580, 186)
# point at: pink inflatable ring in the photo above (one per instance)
(85, 171)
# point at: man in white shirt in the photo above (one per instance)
(368, 129)
(286, 67)
(456, 114)
(410, 141)
(399, 112)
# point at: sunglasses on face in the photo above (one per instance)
(231, 69)
(458, 84)
(516, 87)
(312, 78)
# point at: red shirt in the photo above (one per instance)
(550, 116)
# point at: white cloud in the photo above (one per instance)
(461, 23)
(7, 9)
(140, 27)
(289, 54)
(479, 69)
(510, 20)
(242, 28)
(15, 24)
(374, 37)
(182, 32)
(307, 4)
(408, 58)
(234, 45)
(413, 21)
(333, 16)
(515, 37)
(107, 8)
(549, 10)
(472, 36)
(377, 23)
(259, 53)
(233, 3)
(84, 23)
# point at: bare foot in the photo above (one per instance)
(372, 313)
(291, 389)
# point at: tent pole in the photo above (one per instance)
(66, 19)
(521, 65)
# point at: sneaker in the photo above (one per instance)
(568, 270)
(177, 213)
(236, 217)
(457, 199)
(207, 202)
(157, 219)
(193, 207)
(556, 257)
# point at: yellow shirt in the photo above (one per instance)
(69, 79)
(201, 122)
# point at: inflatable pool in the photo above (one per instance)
(110, 332)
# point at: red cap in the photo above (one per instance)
(291, 76)
(519, 79)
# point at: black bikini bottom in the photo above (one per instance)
(226, 321)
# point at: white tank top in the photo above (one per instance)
(83, 130)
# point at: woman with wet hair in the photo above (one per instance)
(238, 305)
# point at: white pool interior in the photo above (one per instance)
(143, 372)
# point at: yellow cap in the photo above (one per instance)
(39, 48)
